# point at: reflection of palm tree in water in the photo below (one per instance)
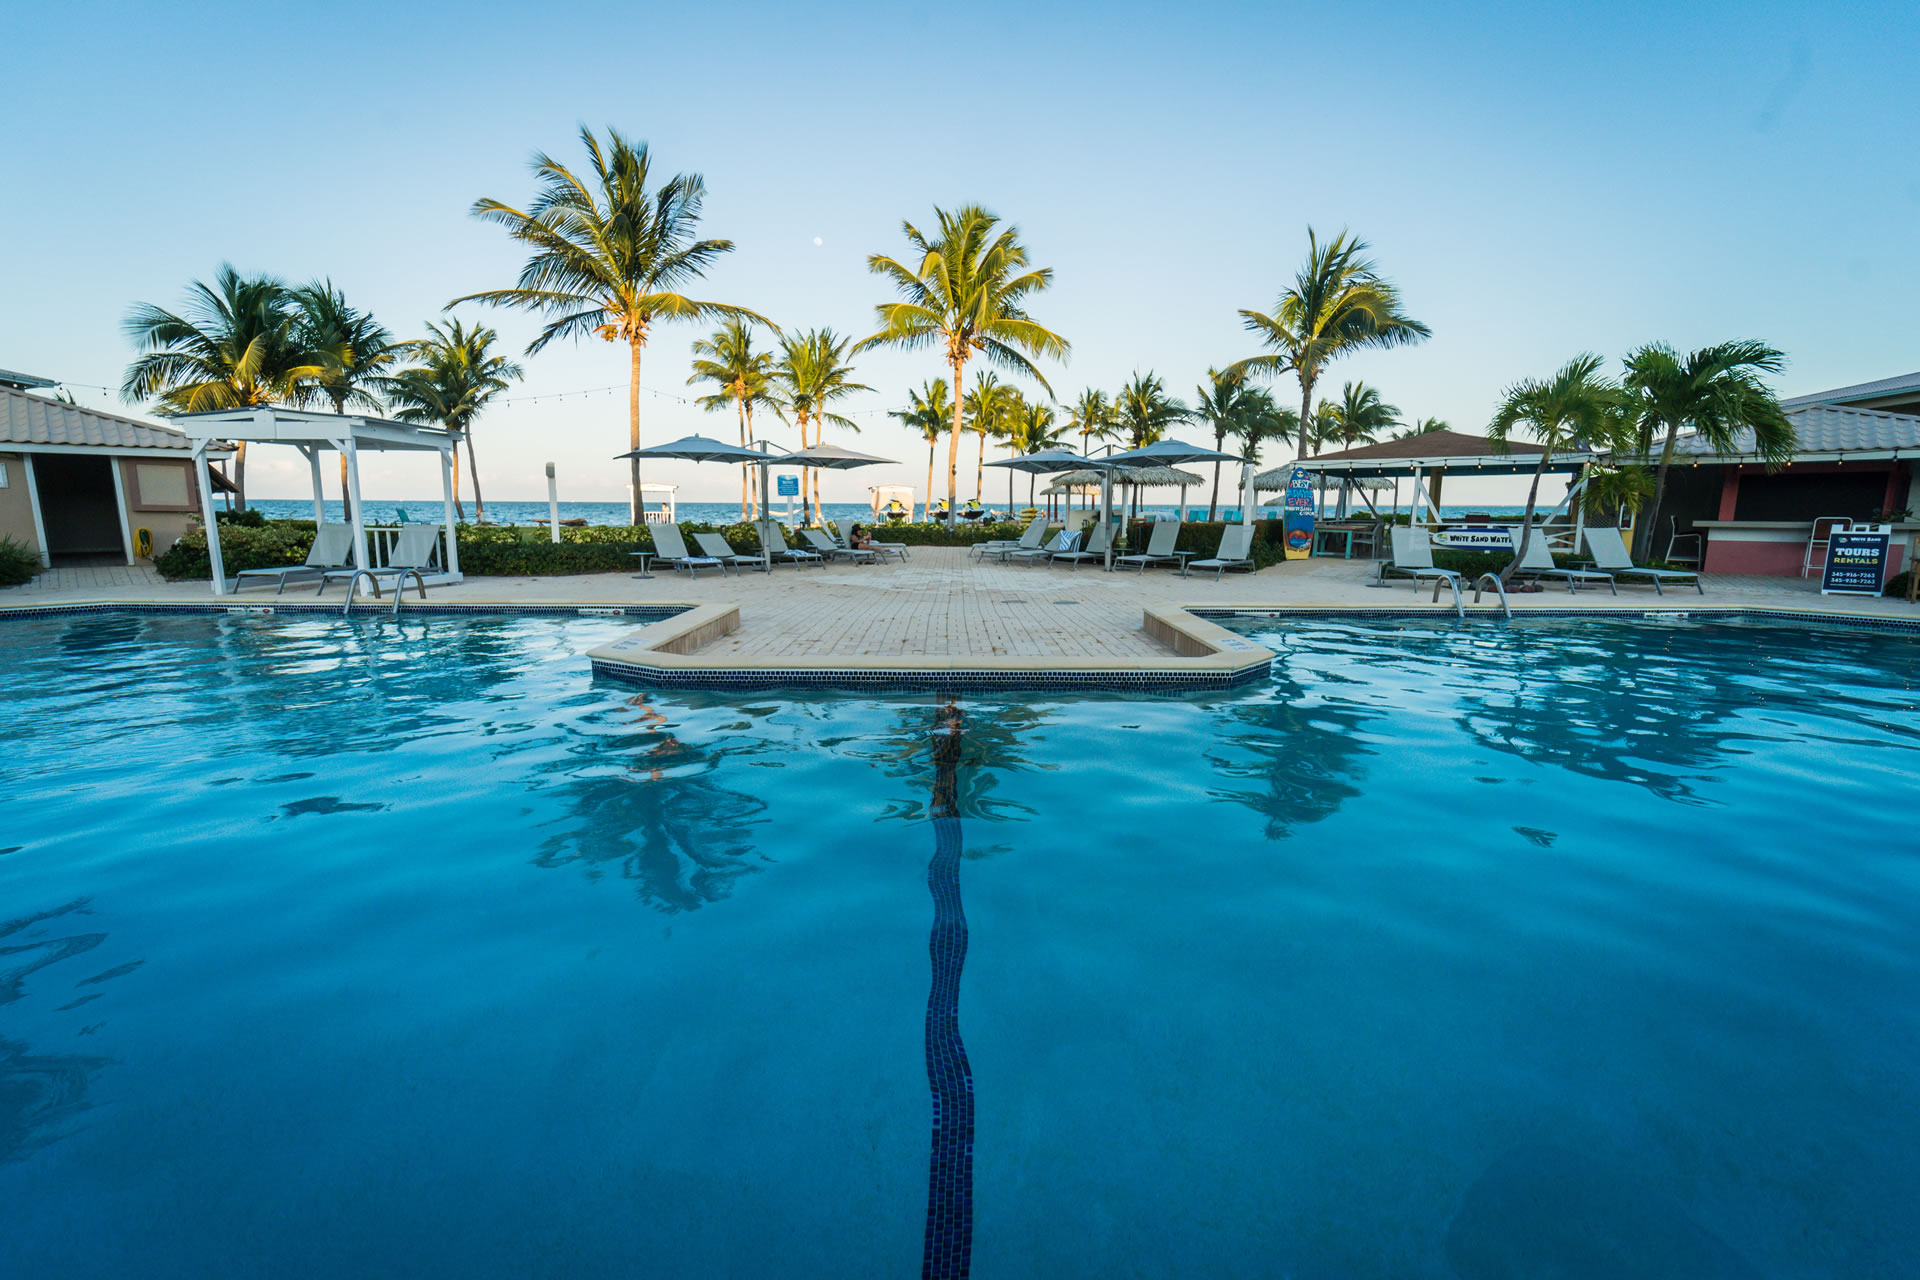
(948, 1248)
(40, 1092)
(643, 800)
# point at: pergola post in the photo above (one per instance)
(1413, 504)
(214, 558)
(1247, 494)
(1106, 512)
(319, 491)
(446, 490)
(355, 517)
(1580, 508)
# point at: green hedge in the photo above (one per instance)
(18, 563)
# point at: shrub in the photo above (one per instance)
(1202, 537)
(18, 562)
(241, 547)
(1896, 585)
(251, 518)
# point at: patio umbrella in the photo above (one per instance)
(697, 448)
(830, 456)
(1049, 462)
(1171, 453)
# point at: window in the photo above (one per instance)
(161, 486)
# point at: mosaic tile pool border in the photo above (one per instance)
(264, 608)
(926, 679)
(1859, 620)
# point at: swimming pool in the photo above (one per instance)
(338, 947)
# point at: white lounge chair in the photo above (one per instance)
(332, 549)
(777, 550)
(1160, 544)
(1001, 548)
(1610, 553)
(716, 546)
(670, 549)
(1413, 558)
(1236, 541)
(1538, 563)
(1063, 542)
(1096, 548)
(415, 549)
(834, 551)
(843, 534)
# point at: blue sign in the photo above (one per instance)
(1300, 513)
(1300, 491)
(787, 486)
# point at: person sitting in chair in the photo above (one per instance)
(859, 538)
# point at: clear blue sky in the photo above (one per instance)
(1539, 180)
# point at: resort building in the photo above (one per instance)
(79, 486)
(1854, 464)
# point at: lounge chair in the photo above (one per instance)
(1236, 540)
(1160, 544)
(716, 546)
(1538, 563)
(1610, 553)
(1096, 549)
(1001, 547)
(670, 549)
(834, 551)
(843, 534)
(1413, 558)
(777, 551)
(332, 549)
(1063, 542)
(414, 550)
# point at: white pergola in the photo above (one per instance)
(313, 434)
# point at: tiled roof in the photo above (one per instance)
(1827, 428)
(1860, 391)
(26, 419)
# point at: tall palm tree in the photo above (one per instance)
(1230, 406)
(1718, 392)
(1092, 417)
(965, 293)
(1361, 416)
(358, 353)
(743, 379)
(1425, 426)
(989, 407)
(1338, 303)
(1575, 408)
(813, 373)
(926, 412)
(235, 344)
(609, 257)
(458, 374)
(1028, 427)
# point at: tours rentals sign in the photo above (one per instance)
(1856, 563)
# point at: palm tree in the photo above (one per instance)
(990, 406)
(1338, 303)
(1229, 406)
(926, 412)
(458, 374)
(1573, 409)
(965, 294)
(609, 257)
(1144, 412)
(1426, 426)
(1361, 416)
(358, 353)
(1028, 428)
(1719, 393)
(1092, 417)
(743, 378)
(236, 344)
(813, 373)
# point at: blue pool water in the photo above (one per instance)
(1573, 948)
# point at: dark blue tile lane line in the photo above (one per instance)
(948, 1251)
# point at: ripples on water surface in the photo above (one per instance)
(333, 948)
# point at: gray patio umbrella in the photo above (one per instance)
(1048, 462)
(830, 456)
(1173, 453)
(695, 449)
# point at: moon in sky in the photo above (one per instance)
(818, 240)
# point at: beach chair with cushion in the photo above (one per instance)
(670, 549)
(778, 552)
(1236, 541)
(1160, 544)
(1096, 549)
(1001, 548)
(713, 544)
(414, 551)
(1610, 553)
(1538, 563)
(332, 549)
(1413, 558)
(1063, 542)
(843, 534)
(834, 551)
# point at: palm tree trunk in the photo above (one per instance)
(1306, 412)
(953, 447)
(1643, 535)
(1526, 520)
(240, 475)
(758, 505)
(459, 510)
(637, 504)
(473, 468)
(980, 467)
(740, 410)
(926, 505)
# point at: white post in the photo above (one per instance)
(1413, 509)
(120, 503)
(214, 558)
(1580, 509)
(1246, 492)
(33, 505)
(1106, 511)
(553, 504)
(450, 516)
(357, 517)
(319, 491)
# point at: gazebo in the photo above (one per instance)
(313, 434)
(1431, 457)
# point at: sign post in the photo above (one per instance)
(1857, 562)
(553, 504)
(1300, 513)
